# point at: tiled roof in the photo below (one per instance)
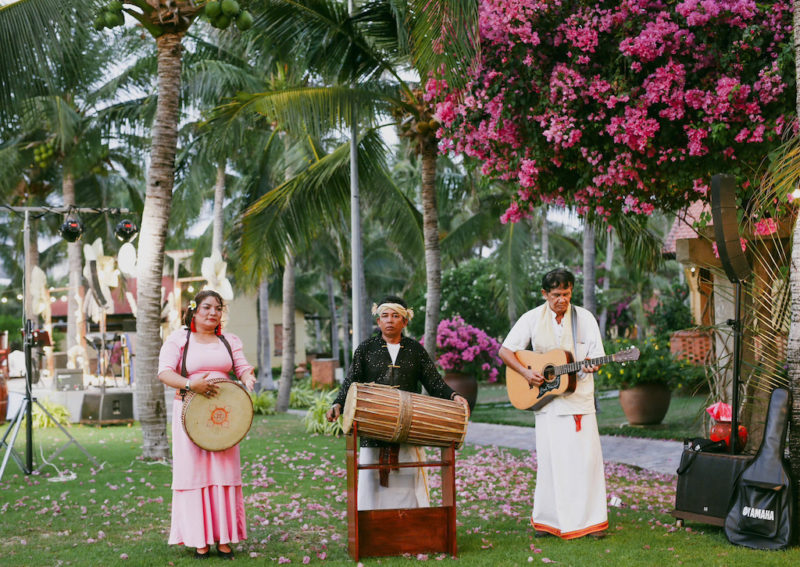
(682, 227)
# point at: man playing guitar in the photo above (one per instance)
(570, 495)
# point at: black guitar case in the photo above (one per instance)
(760, 515)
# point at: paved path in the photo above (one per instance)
(651, 454)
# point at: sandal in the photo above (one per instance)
(225, 554)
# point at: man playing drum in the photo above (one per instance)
(394, 360)
(570, 496)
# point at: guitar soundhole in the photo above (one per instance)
(547, 372)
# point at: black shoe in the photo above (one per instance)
(198, 555)
(225, 554)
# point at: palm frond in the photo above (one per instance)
(314, 109)
(445, 37)
(292, 214)
(40, 42)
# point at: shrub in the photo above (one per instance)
(315, 420)
(302, 395)
(655, 365)
(264, 403)
(40, 420)
(672, 313)
(464, 348)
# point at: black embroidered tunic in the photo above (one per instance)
(412, 368)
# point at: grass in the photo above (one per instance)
(118, 514)
(684, 418)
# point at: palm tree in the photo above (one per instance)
(357, 49)
(68, 119)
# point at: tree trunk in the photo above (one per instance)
(433, 262)
(607, 279)
(219, 203)
(148, 390)
(545, 236)
(589, 258)
(265, 381)
(334, 318)
(793, 353)
(287, 372)
(346, 350)
(793, 346)
(75, 293)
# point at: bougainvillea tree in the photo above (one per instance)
(621, 107)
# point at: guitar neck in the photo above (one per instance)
(575, 366)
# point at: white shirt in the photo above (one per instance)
(393, 350)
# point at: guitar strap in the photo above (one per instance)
(574, 317)
(184, 372)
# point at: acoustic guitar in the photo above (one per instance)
(560, 375)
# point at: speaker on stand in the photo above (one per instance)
(706, 480)
(737, 268)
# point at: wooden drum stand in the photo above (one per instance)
(402, 530)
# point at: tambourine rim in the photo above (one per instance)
(191, 395)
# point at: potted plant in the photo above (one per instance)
(466, 354)
(645, 387)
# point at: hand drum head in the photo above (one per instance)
(218, 423)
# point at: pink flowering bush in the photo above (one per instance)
(622, 106)
(463, 348)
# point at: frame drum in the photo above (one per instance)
(390, 414)
(218, 423)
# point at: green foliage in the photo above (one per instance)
(40, 419)
(470, 290)
(11, 323)
(315, 420)
(264, 403)
(672, 313)
(302, 395)
(656, 364)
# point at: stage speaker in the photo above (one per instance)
(705, 485)
(107, 408)
(726, 228)
(69, 379)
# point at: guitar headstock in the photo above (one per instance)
(627, 355)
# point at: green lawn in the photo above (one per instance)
(118, 514)
(684, 418)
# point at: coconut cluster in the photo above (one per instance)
(43, 153)
(110, 16)
(221, 14)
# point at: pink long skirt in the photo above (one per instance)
(207, 502)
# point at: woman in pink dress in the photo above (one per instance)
(207, 503)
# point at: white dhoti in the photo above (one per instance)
(570, 496)
(408, 487)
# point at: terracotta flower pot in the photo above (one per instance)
(464, 384)
(645, 404)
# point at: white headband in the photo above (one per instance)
(407, 314)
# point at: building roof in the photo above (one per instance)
(682, 227)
